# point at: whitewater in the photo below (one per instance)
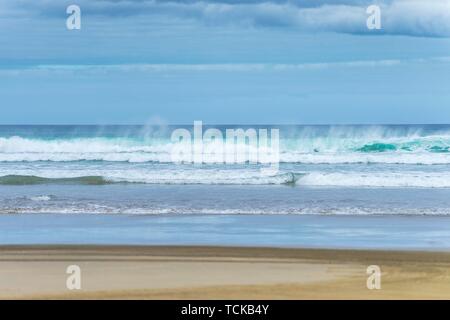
(372, 156)
(337, 170)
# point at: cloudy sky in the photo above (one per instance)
(224, 61)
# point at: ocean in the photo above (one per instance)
(95, 176)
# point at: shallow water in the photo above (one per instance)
(141, 199)
(368, 232)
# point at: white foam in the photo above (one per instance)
(41, 198)
(378, 179)
(241, 176)
(154, 175)
(340, 211)
(425, 158)
(332, 150)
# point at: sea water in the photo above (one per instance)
(95, 176)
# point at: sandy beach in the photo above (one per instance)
(171, 272)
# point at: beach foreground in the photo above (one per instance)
(190, 272)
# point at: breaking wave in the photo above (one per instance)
(403, 156)
(411, 179)
(426, 150)
(30, 180)
(199, 177)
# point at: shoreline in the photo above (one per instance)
(215, 272)
(412, 233)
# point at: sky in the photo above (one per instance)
(224, 62)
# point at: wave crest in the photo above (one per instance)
(31, 180)
(411, 179)
(332, 149)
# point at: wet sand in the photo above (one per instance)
(190, 272)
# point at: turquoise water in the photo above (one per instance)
(327, 158)
(353, 186)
